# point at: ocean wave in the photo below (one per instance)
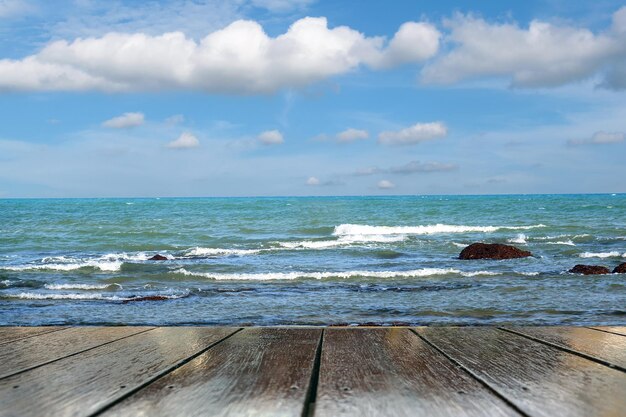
(562, 242)
(106, 266)
(520, 239)
(341, 241)
(612, 254)
(81, 286)
(85, 296)
(267, 276)
(199, 251)
(363, 229)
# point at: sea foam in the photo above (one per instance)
(424, 272)
(613, 254)
(362, 229)
(81, 286)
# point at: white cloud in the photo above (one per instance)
(419, 132)
(385, 185)
(271, 137)
(541, 55)
(175, 119)
(278, 6)
(351, 135)
(414, 167)
(403, 48)
(185, 141)
(125, 121)
(313, 181)
(10, 8)
(240, 58)
(600, 138)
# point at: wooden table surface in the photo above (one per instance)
(312, 371)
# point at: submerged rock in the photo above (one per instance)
(148, 298)
(492, 251)
(589, 270)
(158, 257)
(620, 269)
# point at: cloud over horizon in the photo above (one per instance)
(185, 141)
(238, 59)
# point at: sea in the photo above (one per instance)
(310, 261)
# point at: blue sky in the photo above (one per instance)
(305, 97)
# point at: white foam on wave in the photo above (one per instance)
(562, 242)
(199, 251)
(612, 254)
(342, 241)
(520, 239)
(362, 229)
(267, 276)
(80, 286)
(106, 266)
(80, 296)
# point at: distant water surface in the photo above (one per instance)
(310, 261)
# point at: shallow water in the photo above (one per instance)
(331, 260)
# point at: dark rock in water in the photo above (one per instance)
(158, 257)
(620, 269)
(148, 298)
(590, 270)
(492, 251)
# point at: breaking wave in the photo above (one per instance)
(82, 286)
(266, 276)
(613, 254)
(359, 229)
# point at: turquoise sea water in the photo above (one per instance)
(310, 261)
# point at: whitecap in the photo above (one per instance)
(106, 266)
(359, 229)
(521, 239)
(562, 242)
(613, 254)
(199, 251)
(266, 276)
(80, 286)
(342, 241)
(81, 296)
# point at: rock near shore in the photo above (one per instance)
(158, 257)
(620, 269)
(492, 251)
(590, 270)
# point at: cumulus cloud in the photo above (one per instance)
(313, 181)
(351, 135)
(240, 58)
(599, 138)
(385, 185)
(271, 137)
(185, 141)
(125, 121)
(540, 55)
(417, 133)
(414, 167)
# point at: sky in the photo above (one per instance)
(304, 97)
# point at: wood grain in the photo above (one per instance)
(606, 347)
(82, 384)
(258, 371)
(9, 334)
(392, 372)
(34, 351)
(539, 379)
(621, 330)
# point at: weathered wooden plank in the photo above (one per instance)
(621, 330)
(392, 372)
(43, 348)
(82, 384)
(605, 347)
(9, 334)
(539, 379)
(258, 371)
